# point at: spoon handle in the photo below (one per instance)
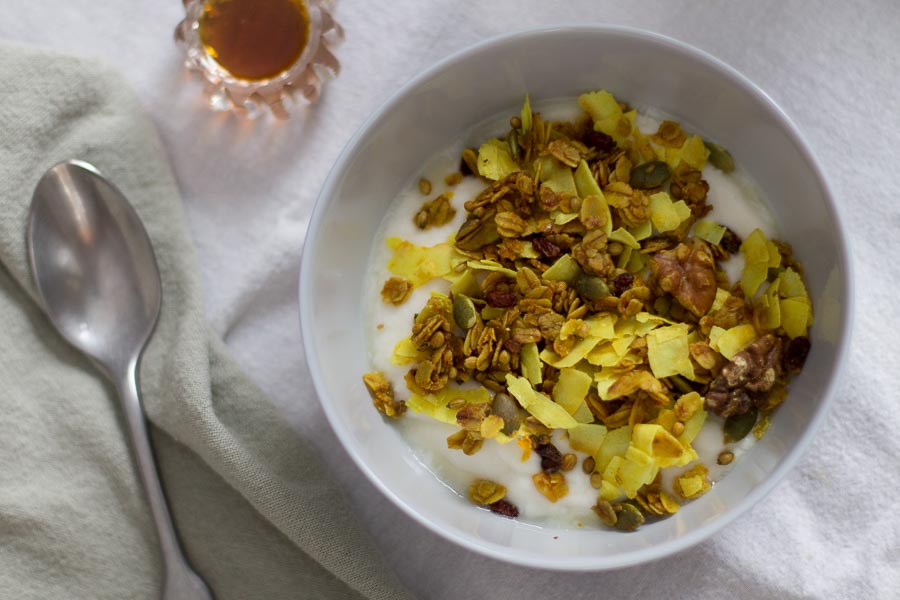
(181, 582)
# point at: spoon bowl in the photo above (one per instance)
(97, 278)
(93, 263)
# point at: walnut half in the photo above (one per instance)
(745, 381)
(688, 273)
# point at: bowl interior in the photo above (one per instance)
(434, 109)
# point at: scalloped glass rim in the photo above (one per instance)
(300, 84)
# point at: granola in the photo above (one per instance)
(586, 303)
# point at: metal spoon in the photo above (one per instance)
(97, 277)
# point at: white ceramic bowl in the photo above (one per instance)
(490, 79)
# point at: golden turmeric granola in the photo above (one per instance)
(587, 296)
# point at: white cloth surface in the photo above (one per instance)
(831, 529)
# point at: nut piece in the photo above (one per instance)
(744, 381)
(382, 393)
(688, 273)
(396, 290)
(424, 187)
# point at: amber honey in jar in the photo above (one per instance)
(254, 39)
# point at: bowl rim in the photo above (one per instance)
(695, 536)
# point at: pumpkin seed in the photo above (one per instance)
(628, 517)
(681, 384)
(737, 427)
(513, 142)
(606, 513)
(719, 157)
(506, 408)
(463, 311)
(592, 288)
(477, 232)
(649, 175)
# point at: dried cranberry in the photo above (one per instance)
(551, 458)
(621, 283)
(507, 509)
(796, 353)
(603, 143)
(464, 167)
(731, 242)
(546, 247)
(501, 298)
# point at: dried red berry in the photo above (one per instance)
(551, 458)
(621, 283)
(501, 298)
(731, 242)
(598, 140)
(796, 353)
(546, 247)
(505, 508)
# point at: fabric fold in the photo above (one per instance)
(258, 516)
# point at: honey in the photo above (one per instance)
(254, 39)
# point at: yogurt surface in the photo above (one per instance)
(736, 203)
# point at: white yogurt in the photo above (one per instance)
(737, 204)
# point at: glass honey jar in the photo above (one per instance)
(259, 55)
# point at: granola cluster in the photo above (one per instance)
(587, 296)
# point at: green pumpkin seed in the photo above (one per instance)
(463, 311)
(605, 511)
(649, 175)
(681, 384)
(513, 142)
(737, 427)
(592, 288)
(476, 233)
(506, 408)
(628, 517)
(719, 157)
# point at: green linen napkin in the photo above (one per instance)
(257, 516)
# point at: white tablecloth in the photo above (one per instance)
(830, 530)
